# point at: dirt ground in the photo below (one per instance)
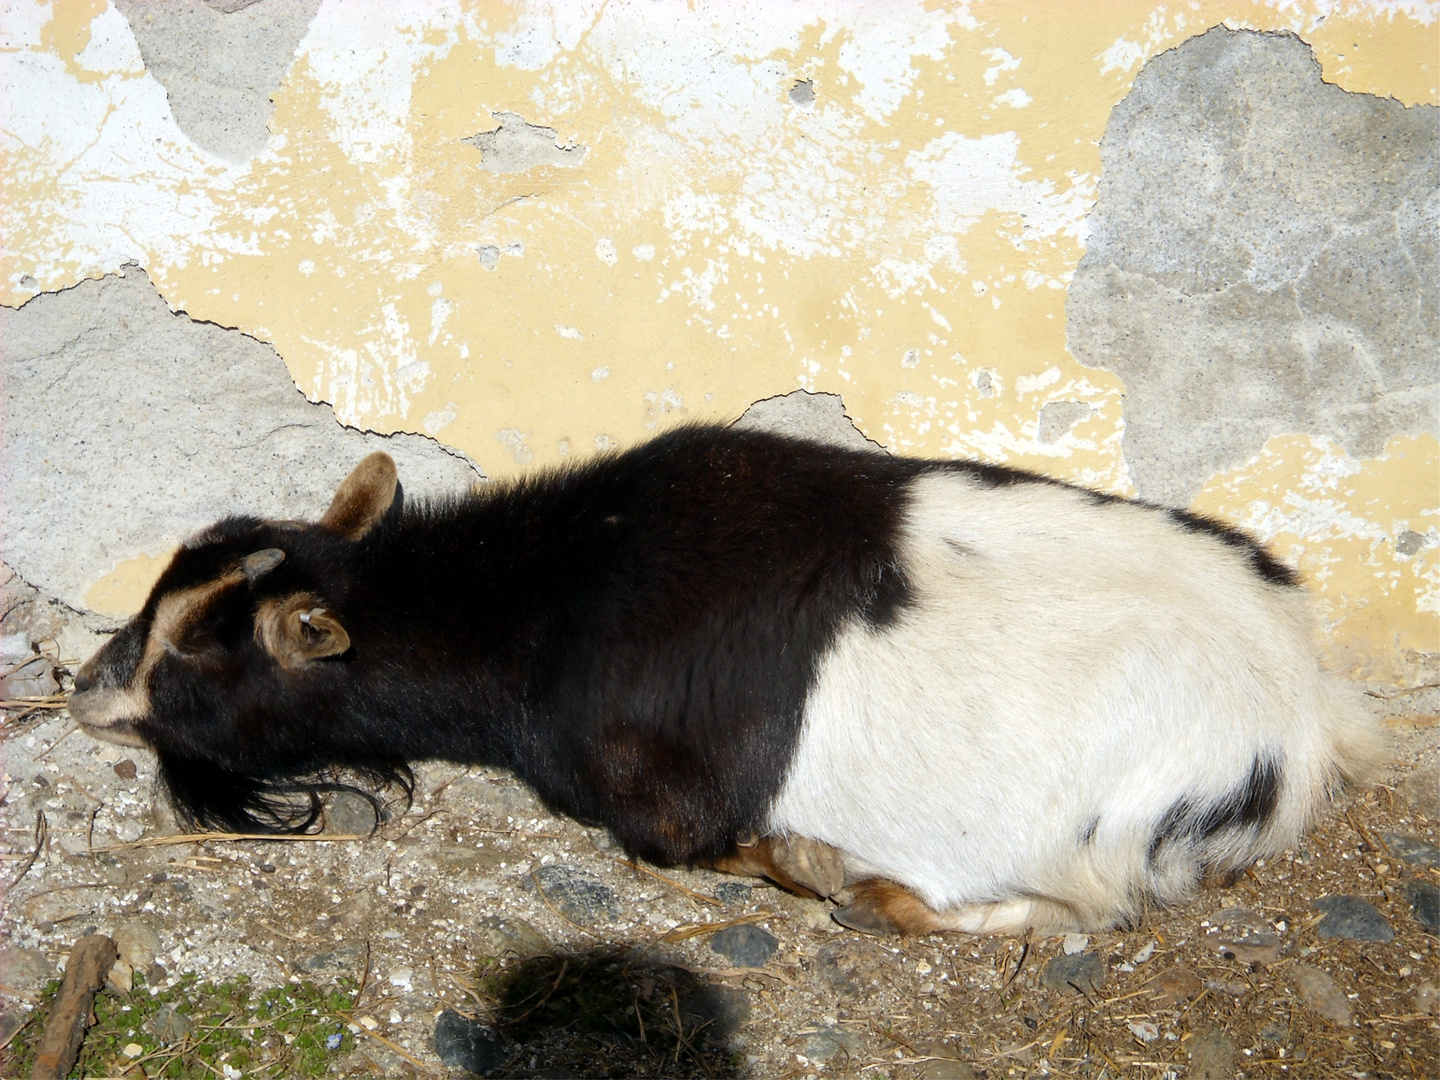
(478, 901)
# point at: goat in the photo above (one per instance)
(979, 699)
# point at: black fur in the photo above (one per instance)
(1248, 806)
(1265, 565)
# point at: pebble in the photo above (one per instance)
(1412, 850)
(718, 1011)
(1257, 947)
(746, 945)
(170, 1026)
(499, 936)
(1427, 999)
(1352, 918)
(350, 814)
(1424, 901)
(1321, 993)
(578, 896)
(733, 893)
(1421, 791)
(347, 960)
(1212, 1056)
(1175, 987)
(137, 944)
(1074, 944)
(944, 1064)
(24, 969)
(463, 1043)
(1082, 973)
(830, 1042)
(11, 1021)
(125, 770)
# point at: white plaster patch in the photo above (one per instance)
(1016, 98)
(973, 176)
(605, 251)
(569, 332)
(437, 421)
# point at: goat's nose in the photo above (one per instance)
(82, 682)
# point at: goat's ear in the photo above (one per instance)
(363, 498)
(297, 631)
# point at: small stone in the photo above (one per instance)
(1412, 850)
(137, 944)
(128, 831)
(1212, 1056)
(746, 945)
(578, 896)
(943, 1064)
(350, 814)
(1421, 792)
(1074, 944)
(1175, 987)
(733, 893)
(347, 960)
(1082, 973)
(1321, 993)
(25, 970)
(34, 679)
(1353, 918)
(11, 1021)
(717, 1011)
(842, 964)
(830, 1042)
(1427, 999)
(1257, 947)
(500, 936)
(121, 977)
(1143, 1030)
(124, 769)
(170, 1026)
(463, 1043)
(1276, 1032)
(1424, 904)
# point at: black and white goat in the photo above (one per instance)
(987, 700)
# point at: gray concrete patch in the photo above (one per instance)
(804, 415)
(219, 61)
(1262, 260)
(517, 145)
(129, 427)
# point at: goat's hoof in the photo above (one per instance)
(865, 917)
(810, 864)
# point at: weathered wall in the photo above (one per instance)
(533, 232)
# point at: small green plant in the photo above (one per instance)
(210, 1029)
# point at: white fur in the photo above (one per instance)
(1065, 661)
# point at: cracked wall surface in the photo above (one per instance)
(538, 231)
(128, 427)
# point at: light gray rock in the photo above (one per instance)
(137, 943)
(829, 1043)
(129, 427)
(350, 814)
(220, 61)
(169, 1025)
(1421, 791)
(1321, 993)
(746, 945)
(1262, 259)
(1212, 1056)
(804, 415)
(25, 970)
(1080, 973)
(1413, 850)
(576, 894)
(500, 936)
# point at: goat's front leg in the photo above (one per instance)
(796, 863)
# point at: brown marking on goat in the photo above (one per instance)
(796, 863)
(297, 630)
(363, 497)
(107, 712)
(880, 906)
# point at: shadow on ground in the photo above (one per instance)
(605, 1012)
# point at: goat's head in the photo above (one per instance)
(241, 633)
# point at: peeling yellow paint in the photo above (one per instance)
(122, 592)
(905, 240)
(1339, 520)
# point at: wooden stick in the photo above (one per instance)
(90, 962)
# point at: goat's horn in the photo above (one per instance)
(257, 564)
